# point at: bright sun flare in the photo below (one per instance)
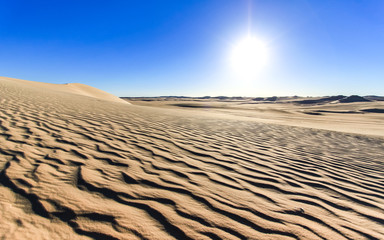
(249, 56)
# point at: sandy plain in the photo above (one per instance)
(79, 163)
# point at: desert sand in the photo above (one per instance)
(79, 163)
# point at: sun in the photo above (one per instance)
(249, 56)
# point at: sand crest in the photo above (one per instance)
(78, 163)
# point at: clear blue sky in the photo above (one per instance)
(152, 48)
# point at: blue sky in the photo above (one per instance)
(153, 48)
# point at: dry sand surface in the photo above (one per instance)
(365, 118)
(78, 163)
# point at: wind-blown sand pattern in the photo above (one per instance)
(80, 167)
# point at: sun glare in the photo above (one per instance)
(249, 56)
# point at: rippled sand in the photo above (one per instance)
(76, 165)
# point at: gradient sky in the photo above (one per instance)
(153, 48)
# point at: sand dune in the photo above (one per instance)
(72, 88)
(80, 167)
(364, 118)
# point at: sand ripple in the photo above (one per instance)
(75, 167)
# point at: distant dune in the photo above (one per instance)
(351, 114)
(321, 100)
(79, 163)
(353, 98)
(274, 99)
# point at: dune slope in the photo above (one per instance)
(75, 167)
(71, 88)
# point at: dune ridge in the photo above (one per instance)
(71, 88)
(75, 167)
